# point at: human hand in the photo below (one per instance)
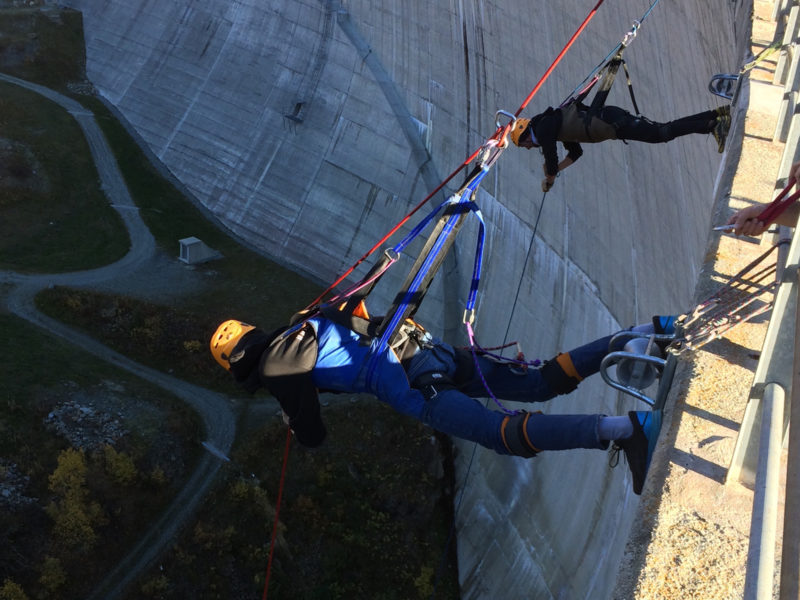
(547, 184)
(745, 221)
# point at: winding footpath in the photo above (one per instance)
(214, 409)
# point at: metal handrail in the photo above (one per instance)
(772, 380)
(775, 392)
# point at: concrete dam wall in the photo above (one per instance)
(310, 127)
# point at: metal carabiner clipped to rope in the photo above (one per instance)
(631, 35)
(511, 118)
(494, 146)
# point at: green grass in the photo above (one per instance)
(41, 47)
(244, 284)
(167, 338)
(55, 217)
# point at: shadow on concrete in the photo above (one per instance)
(699, 465)
(666, 452)
(759, 137)
(708, 416)
(733, 353)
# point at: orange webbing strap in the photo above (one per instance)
(564, 361)
(359, 311)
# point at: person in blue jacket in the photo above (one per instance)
(435, 383)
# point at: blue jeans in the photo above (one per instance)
(343, 363)
(457, 412)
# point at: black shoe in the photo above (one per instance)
(722, 127)
(639, 447)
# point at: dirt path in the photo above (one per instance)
(214, 409)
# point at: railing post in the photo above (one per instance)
(764, 521)
(774, 366)
(786, 55)
(790, 556)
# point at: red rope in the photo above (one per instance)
(277, 510)
(558, 58)
(499, 134)
(777, 206)
(391, 232)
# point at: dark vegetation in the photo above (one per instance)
(43, 46)
(365, 516)
(51, 197)
(78, 502)
(357, 520)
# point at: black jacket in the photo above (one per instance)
(283, 364)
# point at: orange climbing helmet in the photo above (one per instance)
(520, 125)
(225, 339)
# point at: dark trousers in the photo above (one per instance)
(642, 129)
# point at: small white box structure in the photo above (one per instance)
(194, 251)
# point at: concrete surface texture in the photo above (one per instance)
(311, 127)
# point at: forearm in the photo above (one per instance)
(746, 221)
(567, 161)
(789, 216)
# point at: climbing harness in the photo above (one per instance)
(454, 211)
(606, 70)
(606, 77)
(394, 330)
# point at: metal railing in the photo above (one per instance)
(773, 395)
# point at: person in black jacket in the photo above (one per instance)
(576, 123)
(435, 383)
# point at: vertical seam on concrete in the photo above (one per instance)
(425, 165)
(389, 89)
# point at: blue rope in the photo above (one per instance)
(608, 57)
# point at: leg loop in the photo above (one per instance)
(515, 436)
(561, 375)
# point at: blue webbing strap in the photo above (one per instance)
(421, 274)
(476, 268)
